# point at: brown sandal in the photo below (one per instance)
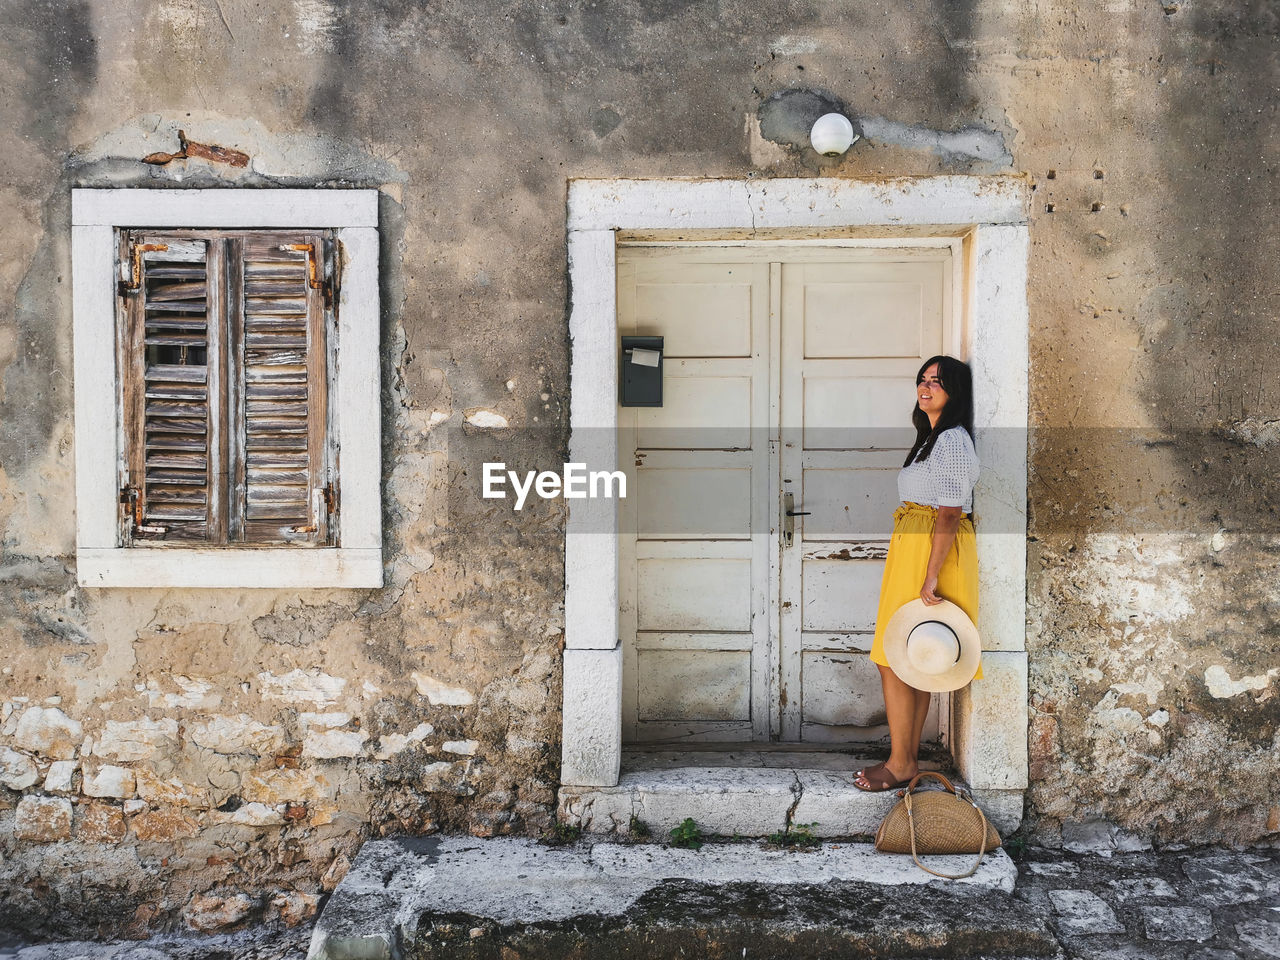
(880, 780)
(873, 769)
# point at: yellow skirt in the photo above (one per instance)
(908, 561)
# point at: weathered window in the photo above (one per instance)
(224, 387)
(227, 389)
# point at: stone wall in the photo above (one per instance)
(218, 755)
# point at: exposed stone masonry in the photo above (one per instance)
(287, 797)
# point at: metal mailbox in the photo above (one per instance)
(641, 380)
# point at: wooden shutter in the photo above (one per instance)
(171, 376)
(280, 452)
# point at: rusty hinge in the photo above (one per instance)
(326, 496)
(136, 251)
(131, 497)
(314, 280)
(313, 268)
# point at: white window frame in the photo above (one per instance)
(101, 559)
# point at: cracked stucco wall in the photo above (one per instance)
(213, 757)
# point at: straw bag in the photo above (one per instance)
(936, 821)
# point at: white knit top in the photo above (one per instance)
(946, 479)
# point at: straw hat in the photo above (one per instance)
(932, 648)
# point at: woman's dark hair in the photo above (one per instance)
(957, 380)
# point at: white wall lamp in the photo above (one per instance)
(832, 134)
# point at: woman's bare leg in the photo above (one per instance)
(905, 708)
(922, 710)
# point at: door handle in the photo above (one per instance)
(789, 513)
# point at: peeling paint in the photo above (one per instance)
(441, 693)
(195, 693)
(310, 686)
(763, 152)
(487, 420)
(1150, 686)
(1143, 578)
(1221, 686)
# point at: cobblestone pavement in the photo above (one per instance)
(1186, 905)
(246, 945)
(1189, 905)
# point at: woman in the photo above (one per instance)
(932, 553)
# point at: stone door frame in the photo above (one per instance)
(989, 720)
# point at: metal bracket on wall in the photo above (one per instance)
(314, 280)
(135, 258)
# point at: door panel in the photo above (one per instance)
(847, 315)
(851, 503)
(857, 405)
(697, 685)
(704, 411)
(689, 594)
(693, 502)
(841, 689)
(701, 309)
(840, 594)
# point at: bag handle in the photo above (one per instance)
(911, 828)
(930, 773)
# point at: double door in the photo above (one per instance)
(761, 493)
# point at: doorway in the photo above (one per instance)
(986, 723)
(752, 541)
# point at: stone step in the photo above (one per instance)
(445, 897)
(748, 793)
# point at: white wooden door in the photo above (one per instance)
(788, 369)
(694, 563)
(854, 336)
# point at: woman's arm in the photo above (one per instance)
(944, 535)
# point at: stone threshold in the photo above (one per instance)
(744, 791)
(447, 896)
